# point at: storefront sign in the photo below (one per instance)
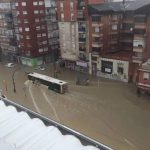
(82, 64)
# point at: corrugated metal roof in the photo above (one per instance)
(19, 130)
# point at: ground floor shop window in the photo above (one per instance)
(107, 67)
(146, 76)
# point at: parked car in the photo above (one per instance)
(41, 68)
(10, 65)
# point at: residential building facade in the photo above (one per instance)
(74, 33)
(143, 79)
(118, 39)
(8, 44)
(29, 31)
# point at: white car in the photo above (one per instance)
(10, 65)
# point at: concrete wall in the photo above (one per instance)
(115, 75)
(68, 32)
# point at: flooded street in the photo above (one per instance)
(107, 111)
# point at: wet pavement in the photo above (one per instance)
(108, 111)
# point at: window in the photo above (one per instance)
(38, 28)
(71, 6)
(62, 16)
(23, 3)
(16, 4)
(19, 21)
(27, 29)
(25, 12)
(27, 37)
(38, 35)
(114, 27)
(46, 49)
(97, 29)
(37, 20)
(61, 6)
(41, 11)
(146, 76)
(96, 18)
(72, 16)
(26, 21)
(107, 67)
(17, 13)
(35, 3)
(43, 27)
(36, 11)
(44, 42)
(20, 29)
(41, 3)
(43, 34)
(40, 50)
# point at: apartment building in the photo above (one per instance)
(143, 79)
(8, 44)
(36, 29)
(52, 27)
(74, 33)
(118, 39)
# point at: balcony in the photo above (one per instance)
(112, 42)
(82, 29)
(138, 49)
(97, 24)
(82, 40)
(96, 44)
(113, 32)
(137, 59)
(129, 21)
(126, 40)
(140, 26)
(97, 35)
(82, 49)
(139, 37)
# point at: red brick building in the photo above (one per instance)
(143, 79)
(73, 31)
(32, 30)
(118, 39)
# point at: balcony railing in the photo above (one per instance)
(139, 37)
(81, 29)
(138, 49)
(140, 26)
(97, 24)
(82, 49)
(96, 44)
(137, 59)
(97, 35)
(82, 39)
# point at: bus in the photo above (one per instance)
(56, 85)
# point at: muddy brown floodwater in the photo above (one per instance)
(107, 111)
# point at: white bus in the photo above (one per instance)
(53, 84)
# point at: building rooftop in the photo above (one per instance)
(120, 55)
(23, 129)
(118, 6)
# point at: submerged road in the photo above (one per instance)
(107, 111)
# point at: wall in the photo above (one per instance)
(115, 75)
(96, 1)
(69, 40)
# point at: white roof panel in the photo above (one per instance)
(19, 130)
